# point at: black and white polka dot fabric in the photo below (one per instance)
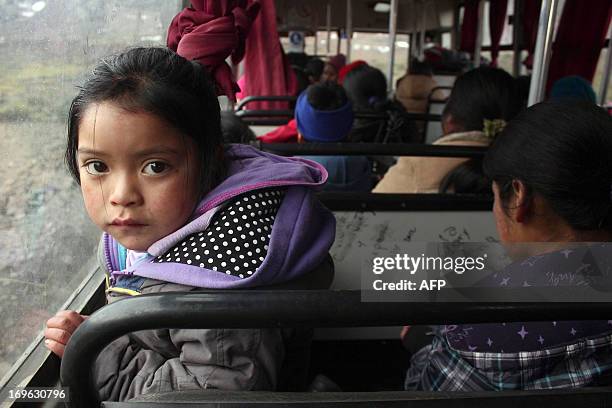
(236, 241)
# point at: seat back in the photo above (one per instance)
(367, 222)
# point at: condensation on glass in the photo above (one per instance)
(46, 239)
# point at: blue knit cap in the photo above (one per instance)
(574, 87)
(322, 126)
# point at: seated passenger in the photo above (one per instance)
(324, 114)
(466, 178)
(552, 176)
(288, 133)
(344, 71)
(314, 69)
(481, 102)
(366, 88)
(332, 68)
(413, 89)
(234, 130)
(179, 212)
(573, 87)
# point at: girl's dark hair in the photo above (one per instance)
(160, 82)
(482, 93)
(466, 178)
(561, 151)
(326, 96)
(366, 87)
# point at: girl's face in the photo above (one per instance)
(139, 175)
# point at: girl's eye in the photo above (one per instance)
(96, 168)
(155, 168)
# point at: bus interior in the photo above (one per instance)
(356, 358)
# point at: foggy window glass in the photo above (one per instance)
(46, 239)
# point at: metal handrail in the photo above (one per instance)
(371, 149)
(264, 98)
(274, 309)
(366, 201)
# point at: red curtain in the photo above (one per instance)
(530, 17)
(267, 71)
(469, 27)
(209, 32)
(580, 38)
(497, 20)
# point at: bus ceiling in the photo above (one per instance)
(367, 15)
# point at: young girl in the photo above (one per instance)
(180, 212)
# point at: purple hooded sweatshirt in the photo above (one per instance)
(301, 236)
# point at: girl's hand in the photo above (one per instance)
(59, 329)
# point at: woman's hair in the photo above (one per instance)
(523, 83)
(466, 178)
(326, 96)
(561, 151)
(160, 82)
(420, 68)
(314, 68)
(234, 129)
(482, 93)
(302, 79)
(366, 87)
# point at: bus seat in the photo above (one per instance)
(593, 397)
(308, 308)
(366, 222)
(296, 364)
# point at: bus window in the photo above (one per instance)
(321, 48)
(599, 73)
(374, 49)
(46, 239)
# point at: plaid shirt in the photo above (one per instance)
(523, 356)
(439, 367)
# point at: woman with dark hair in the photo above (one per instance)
(366, 87)
(466, 178)
(555, 158)
(552, 181)
(480, 104)
(314, 69)
(234, 130)
(332, 68)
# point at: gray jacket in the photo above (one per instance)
(164, 360)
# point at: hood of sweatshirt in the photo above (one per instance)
(301, 237)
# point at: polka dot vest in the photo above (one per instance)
(236, 241)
